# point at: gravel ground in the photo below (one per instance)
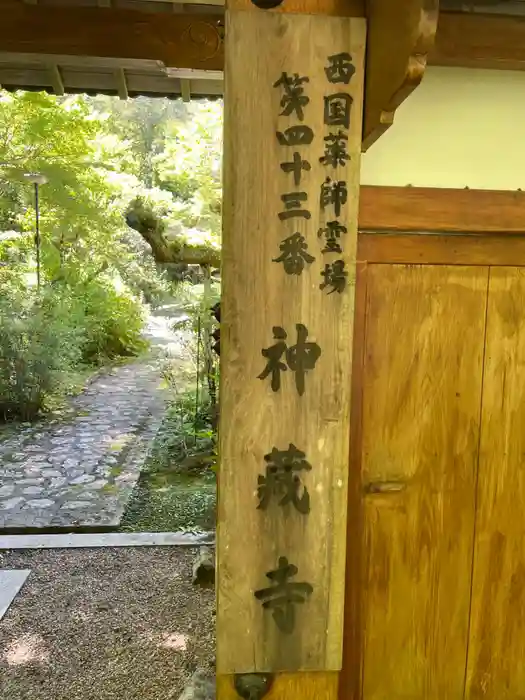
(105, 624)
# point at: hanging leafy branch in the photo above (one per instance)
(171, 244)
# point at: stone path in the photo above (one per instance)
(81, 472)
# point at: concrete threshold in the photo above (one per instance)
(106, 539)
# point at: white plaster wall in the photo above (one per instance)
(459, 128)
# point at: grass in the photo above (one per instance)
(176, 490)
(176, 507)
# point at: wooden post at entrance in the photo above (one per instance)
(293, 126)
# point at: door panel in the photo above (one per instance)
(424, 339)
(496, 663)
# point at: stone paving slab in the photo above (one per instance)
(11, 581)
(106, 539)
(80, 473)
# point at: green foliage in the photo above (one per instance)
(37, 352)
(45, 338)
(186, 440)
(109, 321)
(190, 168)
(98, 154)
(138, 128)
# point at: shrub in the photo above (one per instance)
(44, 339)
(37, 351)
(186, 443)
(112, 321)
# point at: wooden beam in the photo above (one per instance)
(479, 41)
(185, 42)
(400, 36)
(439, 209)
(217, 3)
(33, 60)
(468, 40)
(258, 416)
(442, 249)
(177, 40)
(189, 74)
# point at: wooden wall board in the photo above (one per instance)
(422, 385)
(441, 209)
(441, 249)
(258, 296)
(497, 638)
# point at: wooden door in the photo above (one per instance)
(496, 660)
(419, 425)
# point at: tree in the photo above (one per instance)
(154, 160)
(78, 213)
(84, 312)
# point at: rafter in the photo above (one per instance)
(56, 79)
(185, 86)
(122, 83)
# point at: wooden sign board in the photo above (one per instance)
(294, 86)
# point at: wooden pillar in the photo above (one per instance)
(293, 124)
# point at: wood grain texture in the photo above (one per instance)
(440, 209)
(479, 41)
(400, 35)
(439, 249)
(336, 8)
(421, 412)
(497, 638)
(258, 295)
(177, 40)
